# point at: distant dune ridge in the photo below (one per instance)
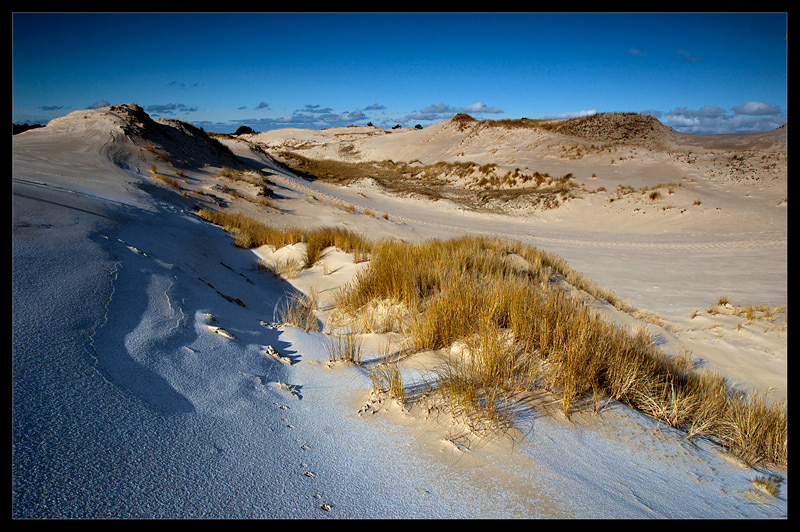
(599, 153)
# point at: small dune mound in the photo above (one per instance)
(631, 128)
(180, 142)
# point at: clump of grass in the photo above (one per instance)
(768, 484)
(345, 347)
(386, 378)
(317, 240)
(250, 233)
(755, 429)
(298, 310)
(284, 268)
(170, 182)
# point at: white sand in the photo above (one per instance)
(148, 383)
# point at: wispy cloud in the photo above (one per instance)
(316, 109)
(169, 109)
(689, 58)
(181, 84)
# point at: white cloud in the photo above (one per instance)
(572, 114)
(438, 108)
(752, 116)
(756, 108)
(435, 112)
(480, 107)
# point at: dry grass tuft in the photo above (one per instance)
(250, 233)
(345, 347)
(169, 181)
(768, 484)
(386, 378)
(298, 310)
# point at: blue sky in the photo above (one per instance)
(704, 73)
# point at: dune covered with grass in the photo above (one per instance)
(512, 319)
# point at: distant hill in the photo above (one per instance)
(19, 128)
(631, 128)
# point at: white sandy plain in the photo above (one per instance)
(149, 382)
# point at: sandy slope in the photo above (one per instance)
(143, 385)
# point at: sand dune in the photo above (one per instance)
(151, 378)
(717, 226)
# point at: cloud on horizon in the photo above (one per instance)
(317, 116)
(440, 111)
(748, 117)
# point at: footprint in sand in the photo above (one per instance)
(220, 331)
(210, 318)
(291, 388)
(137, 250)
(322, 505)
(270, 352)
